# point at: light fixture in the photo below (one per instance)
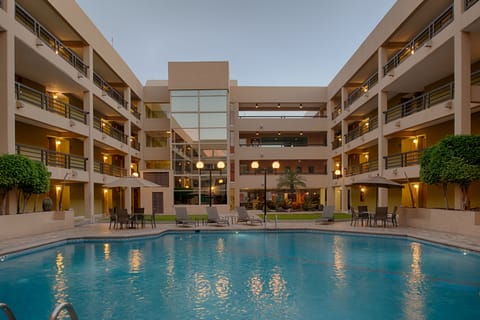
(301, 133)
(58, 188)
(257, 133)
(55, 96)
(415, 141)
(105, 158)
(135, 174)
(362, 189)
(278, 133)
(416, 186)
(337, 172)
(278, 106)
(255, 165)
(300, 106)
(58, 142)
(200, 165)
(105, 191)
(256, 106)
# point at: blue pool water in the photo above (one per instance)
(246, 275)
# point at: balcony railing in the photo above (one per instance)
(404, 159)
(363, 89)
(420, 39)
(49, 39)
(108, 169)
(135, 144)
(362, 168)
(52, 158)
(469, 3)
(109, 90)
(475, 79)
(337, 111)
(108, 129)
(337, 143)
(420, 103)
(47, 103)
(135, 113)
(365, 128)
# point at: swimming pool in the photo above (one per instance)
(246, 275)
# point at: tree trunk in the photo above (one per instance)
(444, 189)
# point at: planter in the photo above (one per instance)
(47, 204)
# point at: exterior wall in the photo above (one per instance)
(459, 222)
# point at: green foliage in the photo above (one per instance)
(455, 159)
(26, 176)
(291, 180)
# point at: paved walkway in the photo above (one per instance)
(101, 230)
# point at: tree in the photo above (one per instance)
(291, 180)
(7, 179)
(40, 183)
(455, 159)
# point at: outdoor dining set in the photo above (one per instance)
(373, 218)
(121, 219)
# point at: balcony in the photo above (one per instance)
(52, 158)
(337, 111)
(108, 90)
(135, 113)
(50, 40)
(363, 167)
(404, 159)
(45, 102)
(362, 129)
(362, 90)
(106, 128)
(475, 79)
(337, 143)
(420, 103)
(469, 4)
(135, 144)
(420, 40)
(108, 169)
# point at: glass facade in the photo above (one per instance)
(199, 134)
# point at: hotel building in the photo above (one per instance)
(69, 100)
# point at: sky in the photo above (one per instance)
(266, 42)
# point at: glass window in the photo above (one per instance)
(213, 120)
(157, 110)
(185, 120)
(208, 104)
(184, 104)
(213, 134)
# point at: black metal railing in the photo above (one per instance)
(404, 159)
(337, 143)
(362, 129)
(280, 116)
(109, 130)
(475, 78)
(108, 169)
(109, 90)
(420, 103)
(135, 113)
(420, 39)
(469, 3)
(362, 89)
(135, 144)
(52, 158)
(337, 111)
(363, 167)
(49, 39)
(47, 103)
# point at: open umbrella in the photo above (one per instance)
(131, 182)
(378, 182)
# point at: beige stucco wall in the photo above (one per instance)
(19, 225)
(198, 75)
(452, 221)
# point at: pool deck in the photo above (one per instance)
(101, 230)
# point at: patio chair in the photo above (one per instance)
(243, 216)
(122, 217)
(327, 215)
(181, 217)
(139, 217)
(363, 214)
(112, 212)
(381, 215)
(392, 217)
(357, 216)
(214, 217)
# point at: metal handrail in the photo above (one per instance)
(469, 3)
(363, 167)
(283, 117)
(64, 306)
(420, 39)
(108, 129)
(420, 103)
(52, 158)
(108, 169)
(404, 159)
(49, 39)
(109, 90)
(365, 128)
(362, 89)
(6, 309)
(45, 102)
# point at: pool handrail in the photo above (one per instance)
(68, 307)
(6, 309)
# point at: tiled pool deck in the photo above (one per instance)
(101, 230)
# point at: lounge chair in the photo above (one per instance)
(327, 215)
(214, 217)
(243, 216)
(181, 217)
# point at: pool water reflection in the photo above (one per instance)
(247, 275)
